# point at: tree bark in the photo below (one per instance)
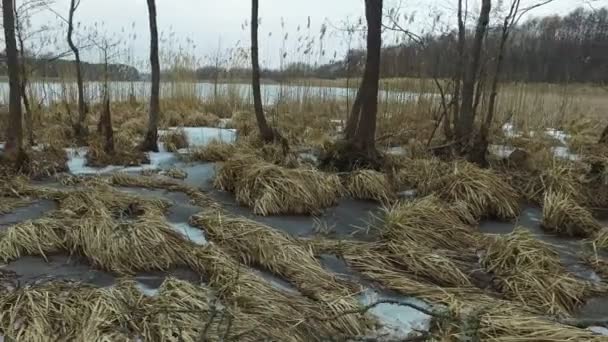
(459, 69)
(361, 126)
(266, 132)
(105, 121)
(151, 140)
(80, 127)
(29, 118)
(466, 120)
(480, 148)
(14, 134)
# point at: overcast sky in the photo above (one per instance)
(213, 24)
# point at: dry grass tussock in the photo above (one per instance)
(38, 163)
(174, 140)
(484, 192)
(69, 311)
(558, 177)
(272, 189)
(293, 316)
(124, 154)
(258, 245)
(427, 222)
(370, 185)
(600, 240)
(468, 311)
(564, 216)
(214, 151)
(530, 271)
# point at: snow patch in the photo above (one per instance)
(195, 235)
(501, 151)
(564, 153)
(201, 136)
(510, 131)
(146, 290)
(599, 330)
(398, 321)
(557, 134)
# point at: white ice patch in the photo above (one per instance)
(564, 153)
(193, 234)
(77, 161)
(599, 330)
(146, 290)
(501, 151)
(201, 136)
(397, 151)
(510, 131)
(408, 194)
(398, 320)
(557, 134)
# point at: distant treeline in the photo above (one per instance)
(57, 68)
(555, 49)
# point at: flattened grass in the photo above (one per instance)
(370, 185)
(564, 216)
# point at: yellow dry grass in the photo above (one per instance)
(370, 185)
(485, 193)
(272, 189)
(564, 216)
(427, 222)
(9, 204)
(214, 151)
(530, 271)
(256, 244)
(174, 140)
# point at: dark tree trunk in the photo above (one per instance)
(29, 117)
(361, 125)
(266, 132)
(459, 69)
(80, 127)
(105, 121)
(480, 148)
(604, 137)
(465, 125)
(14, 133)
(151, 140)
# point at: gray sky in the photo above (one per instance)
(209, 24)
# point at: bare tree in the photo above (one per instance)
(464, 128)
(151, 140)
(266, 132)
(360, 132)
(80, 127)
(14, 134)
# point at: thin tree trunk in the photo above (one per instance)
(105, 121)
(459, 70)
(14, 133)
(266, 132)
(361, 126)
(151, 139)
(29, 121)
(464, 128)
(80, 128)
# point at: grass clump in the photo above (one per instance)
(600, 240)
(38, 237)
(199, 119)
(564, 216)
(529, 271)
(257, 244)
(428, 222)
(215, 151)
(125, 155)
(485, 193)
(9, 204)
(272, 189)
(175, 140)
(370, 185)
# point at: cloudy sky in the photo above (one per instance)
(206, 26)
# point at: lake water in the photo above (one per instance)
(47, 92)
